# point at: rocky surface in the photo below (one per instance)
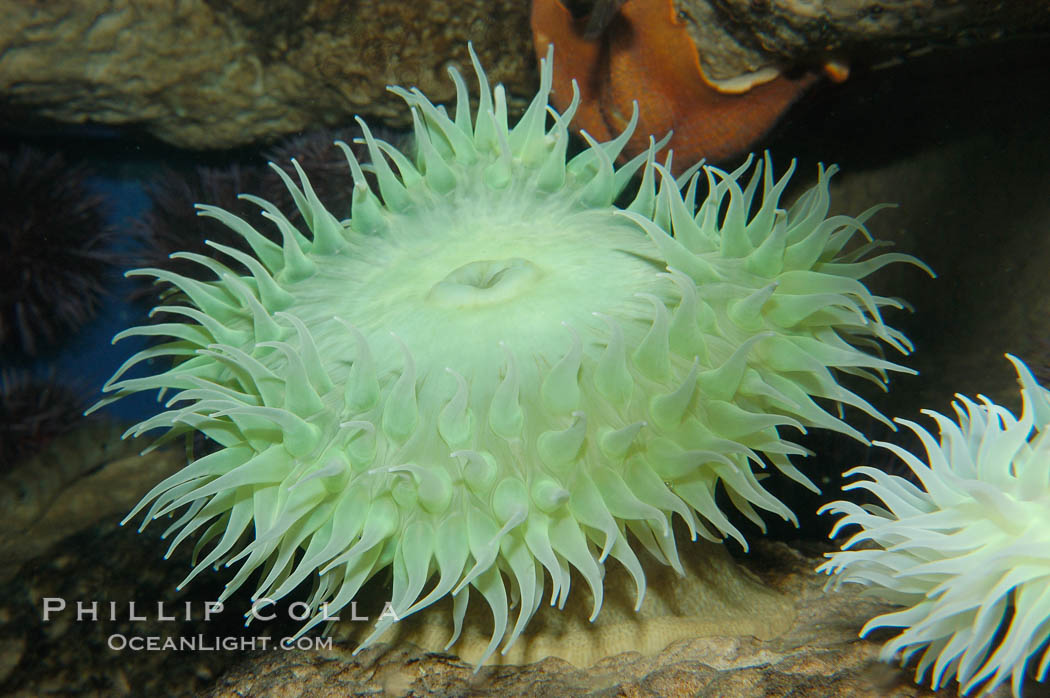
(72, 655)
(205, 74)
(741, 36)
(202, 74)
(77, 480)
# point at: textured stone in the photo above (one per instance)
(210, 74)
(77, 480)
(66, 656)
(204, 74)
(742, 36)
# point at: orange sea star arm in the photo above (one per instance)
(647, 55)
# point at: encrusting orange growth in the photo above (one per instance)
(646, 54)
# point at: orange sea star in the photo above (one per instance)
(646, 54)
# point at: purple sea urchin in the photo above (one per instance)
(968, 553)
(491, 376)
(53, 251)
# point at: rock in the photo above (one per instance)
(77, 480)
(735, 37)
(66, 655)
(200, 74)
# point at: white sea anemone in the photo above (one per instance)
(969, 557)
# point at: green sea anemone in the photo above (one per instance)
(490, 376)
(968, 553)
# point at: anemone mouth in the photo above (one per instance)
(488, 271)
(490, 378)
(485, 282)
